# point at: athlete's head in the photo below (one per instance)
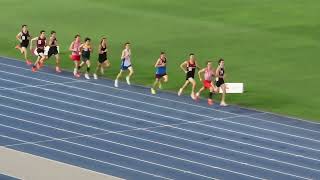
(42, 34)
(191, 56)
(87, 40)
(77, 37)
(53, 33)
(209, 64)
(221, 62)
(24, 27)
(127, 45)
(103, 40)
(162, 55)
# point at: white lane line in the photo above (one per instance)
(201, 123)
(31, 86)
(109, 112)
(91, 159)
(180, 102)
(143, 129)
(171, 117)
(155, 142)
(121, 155)
(248, 116)
(239, 142)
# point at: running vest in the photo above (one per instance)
(41, 43)
(208, 73)
(25, 36)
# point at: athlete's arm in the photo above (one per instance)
(200, 72)
(122, 54)
(31, 42)
(80, 48)
(183, 66)
(197, 65)
(18, 36)
(157, 64)
(71, 47)
(217, 72)
(50, 41)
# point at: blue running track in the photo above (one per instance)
(128, 133)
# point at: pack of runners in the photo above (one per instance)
(212, 79)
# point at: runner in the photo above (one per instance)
(125, 64)
(75, 56)
(39, 51)
(24, 37)
(52, 49)
(208, 74)
(220, 73)
(85, 51)
(189, 67)
(161, 72)
(103, 61)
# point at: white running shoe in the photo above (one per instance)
(116, 83)
(75, 72)
(180, 92)
(223, 104)
(153, 91)
(192, 96)
(197, 94)
(128, 80)
(86, 75)
(95, 76)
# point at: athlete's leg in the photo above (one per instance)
(182, 88)
(193, 82)
(130, 71)
(118, 76)
(224, 90)
(200, 90)
(129, 75)
(99, 66)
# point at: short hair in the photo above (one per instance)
(24, 25)
(78, 35)
(220, 60)
(162, 53)
(87, 39)
(191, 54)
(52, 32)
(42, 31)
(208, 62)
(126, 43)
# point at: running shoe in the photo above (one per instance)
(180, 92)
(153, 91)
(95, 76)
(34, 69)
(116, 83)
(28, 62)
(58, 70)
(210, 102)
(223, 104)
(86, 75)
(193, 96)
(77, 75)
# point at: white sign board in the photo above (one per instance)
(233, 88)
